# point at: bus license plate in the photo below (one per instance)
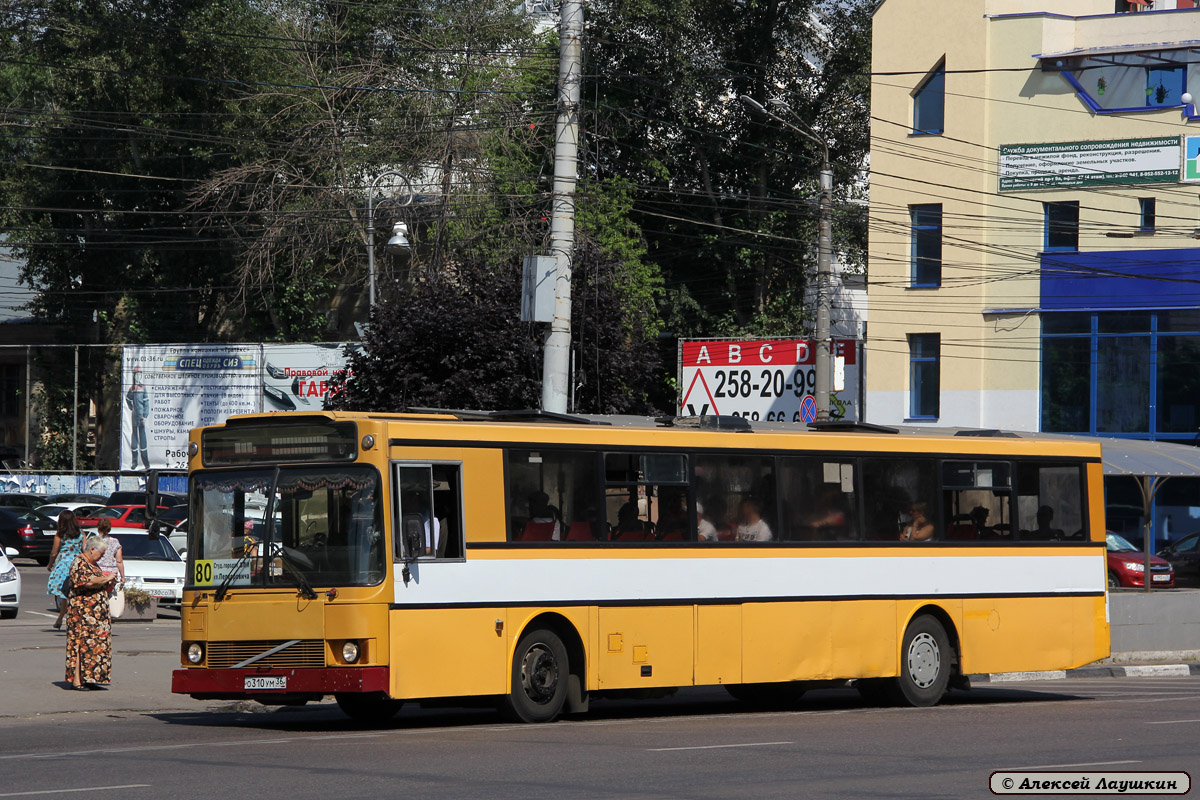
(1162, 577)
(266, 681)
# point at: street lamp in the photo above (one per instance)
(399, 230)
(824, 259)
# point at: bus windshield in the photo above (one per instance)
(325, 527)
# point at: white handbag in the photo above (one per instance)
(116, 603)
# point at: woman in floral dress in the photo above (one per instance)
(67, 541)
(89, 627)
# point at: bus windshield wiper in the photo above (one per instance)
(286, 561)
(223, 589)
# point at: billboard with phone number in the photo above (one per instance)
(764, 379)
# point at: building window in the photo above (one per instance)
(1122, 372)
(1164, 86)
(1062, 226)
(926, 228)
(929, 103)
(1146, 212)
(924, 376)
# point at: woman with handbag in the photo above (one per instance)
(112, 563)
(89, 626)
(68, 540)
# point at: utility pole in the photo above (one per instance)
(556, 360)
(824, 274)
(824, 365)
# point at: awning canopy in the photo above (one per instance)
(1157, 459)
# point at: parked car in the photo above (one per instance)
(22, 499)
(165, 499)
(172, 523)
(1184, 556)
(1127, 566)
(151, 564)
(10, 584)
(70, 497)
(31, 534)
(119, 516)
(80, 509)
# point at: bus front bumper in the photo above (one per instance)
(283, 684)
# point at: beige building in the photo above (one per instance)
(1034, 262)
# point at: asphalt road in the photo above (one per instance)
(134, 741)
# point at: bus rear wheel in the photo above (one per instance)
(539, 678)
(924, 663)
(369, 708)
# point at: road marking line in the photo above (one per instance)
(1172, 721)
(40, 614)
(713, 746)
(1064, 766)
(84, 789)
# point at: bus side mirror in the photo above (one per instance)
(414, 537)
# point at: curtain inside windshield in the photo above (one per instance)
(325, 528)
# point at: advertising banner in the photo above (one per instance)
(296, 376)
(764, 379)
(169, 389)
(1057, 165)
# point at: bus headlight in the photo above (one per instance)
(195, 653)
(350, 652)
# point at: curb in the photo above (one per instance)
(1132, 671)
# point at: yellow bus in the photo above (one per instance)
(545, 559)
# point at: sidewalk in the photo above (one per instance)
(33, 680)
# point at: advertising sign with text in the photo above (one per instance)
(169, 389)
(1057, 165)
(771, 380)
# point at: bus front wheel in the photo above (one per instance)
(924, 663)
(369, 708)
(539, 678)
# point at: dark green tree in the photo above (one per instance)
(459, 343)
(726, 196)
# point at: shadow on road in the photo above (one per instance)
(690, 702)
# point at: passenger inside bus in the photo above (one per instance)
(543, 524)
(705, 530)
(629, 528)
(751, 525)
(1045, 531)
(919, 527)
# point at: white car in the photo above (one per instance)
(151, 563)
(79, 509)
(10, 584)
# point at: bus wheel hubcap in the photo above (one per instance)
(539, 673)
(924, 660)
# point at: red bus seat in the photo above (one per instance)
(537, 532)
(580, 532)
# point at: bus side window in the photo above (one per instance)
(978, 501)
(737, 493)
(447, 509)
(552, 496)
(1050, 502)
(892, 489)
(819, 503)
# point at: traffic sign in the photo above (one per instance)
(808, 409)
